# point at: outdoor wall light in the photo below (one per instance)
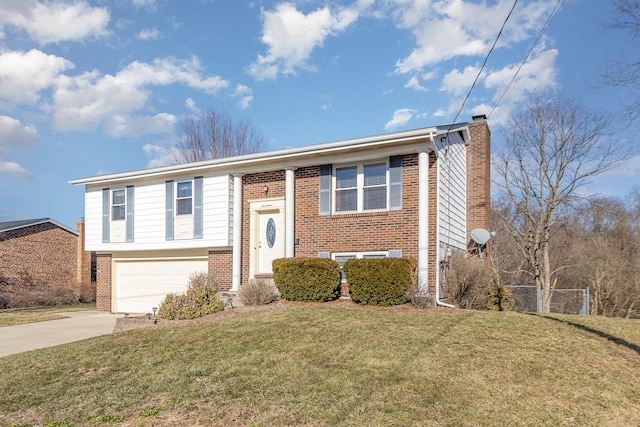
(265, 189)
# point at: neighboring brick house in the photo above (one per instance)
(43, 252)
(411, 194)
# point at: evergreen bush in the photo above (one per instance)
(307, 279)
(383, 282)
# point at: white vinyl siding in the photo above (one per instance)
(150, 212)
(452, 186)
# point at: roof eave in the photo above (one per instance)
(294, 157)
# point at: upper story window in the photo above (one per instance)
(361, 187)
(118, 199)
(184, 198)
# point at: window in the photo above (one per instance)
(375, 186)
(346, 189)
(118, 205)
(184, 199)
(362, 187)
(342, 258)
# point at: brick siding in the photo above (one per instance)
(478, 177)
(40, 254)
(221, 267)
(103, 282)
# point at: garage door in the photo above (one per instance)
(141, 285)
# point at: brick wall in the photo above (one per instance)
(221, 266)
(42, 254)
(358, 232)
(479, 176)
(103, 282)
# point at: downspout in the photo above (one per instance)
(236, 272)
(438, 252)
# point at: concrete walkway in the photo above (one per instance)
(79, 326)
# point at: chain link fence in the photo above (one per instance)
(565, 301)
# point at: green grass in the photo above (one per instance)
(32, 315)
(323, 365)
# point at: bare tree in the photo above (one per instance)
(624, 72)
(552, 148)
(213, 135)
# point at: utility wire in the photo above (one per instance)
(537, 40)
(483, 65)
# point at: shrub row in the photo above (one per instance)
(196, 302)
(384, 281)
(307, 279)
(42, 295)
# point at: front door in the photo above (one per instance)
(270, 239)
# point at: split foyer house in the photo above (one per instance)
(407, 194)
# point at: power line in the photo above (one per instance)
(554, 12)
(483, 65)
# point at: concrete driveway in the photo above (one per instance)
(79, 326)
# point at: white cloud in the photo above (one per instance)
(137, 125)
(445, 30)
(191, 105)
(92, 100)
(149, 34)
(24, 74)
(458, 83)
(245, 96)
(160, 155)
(291, 37)
(14, 134)
(55, 21)
(415, 81)
(147, 4)
(13, 168)
(400, 117)
(538, 73)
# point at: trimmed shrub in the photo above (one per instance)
(258, 292)
(196, 302)
(307, 279)
(384, 281)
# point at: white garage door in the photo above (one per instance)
(141, 285)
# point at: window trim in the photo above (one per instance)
(360, 186)
(178, 198)
(123, 204)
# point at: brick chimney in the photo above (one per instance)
(83, 267)
(479, 175)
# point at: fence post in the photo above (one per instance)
(539, 295)
(584, 311)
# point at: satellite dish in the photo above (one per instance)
(480, 236)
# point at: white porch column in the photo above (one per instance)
(289, 212)
(423, 221)
(237, 233)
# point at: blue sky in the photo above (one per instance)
(89, 87)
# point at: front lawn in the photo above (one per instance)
(324, 365)
(21, 316)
